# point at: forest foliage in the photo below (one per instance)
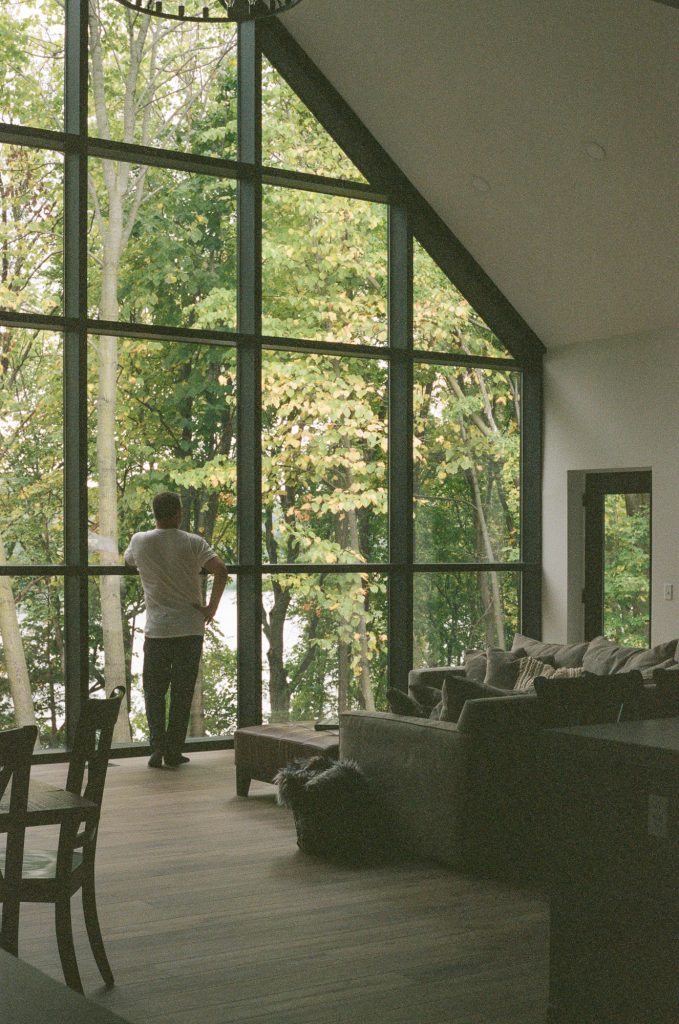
(162, 250)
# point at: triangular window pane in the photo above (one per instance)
(443, 320)
(293, 138)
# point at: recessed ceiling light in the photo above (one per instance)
(480, 184)
(595, 150)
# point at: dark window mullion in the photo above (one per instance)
(75, 367)
(531, 500)
(400, 647)
(249, 382)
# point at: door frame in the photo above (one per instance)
(597, 486)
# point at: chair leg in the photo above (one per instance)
(9, 935)
(94, 930)
(243, 778)
(69, 964)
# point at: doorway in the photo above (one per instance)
(617, 594)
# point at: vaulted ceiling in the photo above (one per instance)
(545, 134)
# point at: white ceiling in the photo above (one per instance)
(511, 91)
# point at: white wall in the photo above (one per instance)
(611, 405)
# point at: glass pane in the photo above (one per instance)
(324, 267)
(443, 321)
(324, 645)
(117, 658)
(166, 252)
(162, 83)
(32, 78)
(32, 656)
(293, 138)
(31, 227)
(467, 457)
(324, 459)
(457, 611)
(170, 424)
(31, 447)
(627, 568)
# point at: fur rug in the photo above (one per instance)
(335, 811)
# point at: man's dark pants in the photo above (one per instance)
(170, 662)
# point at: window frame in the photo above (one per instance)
(408, 216)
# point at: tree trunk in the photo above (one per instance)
(109, 586)
(274, 627)
(343, 675)
(15, 658)
(366, 698)
(488, 582)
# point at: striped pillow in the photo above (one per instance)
(531, 668)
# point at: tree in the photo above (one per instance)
(162, 250)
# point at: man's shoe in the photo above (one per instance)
(156, 759)
(174, 762)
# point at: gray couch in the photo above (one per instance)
(467, 793)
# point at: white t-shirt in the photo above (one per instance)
(169, 563)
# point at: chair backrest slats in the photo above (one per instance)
(16, 751)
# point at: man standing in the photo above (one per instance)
(170, 562)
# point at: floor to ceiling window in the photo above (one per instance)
(201, 291)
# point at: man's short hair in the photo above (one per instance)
(166, 505)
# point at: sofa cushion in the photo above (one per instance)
(456, 692)
(604, 657)
(475, 665)
(401, 703)
(502, 667)
(530, 669)
(425, 695)
(590, 698)
(515, 715)
(562, 655)
(652, 658)
(667, 677)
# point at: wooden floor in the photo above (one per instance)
(211, 915)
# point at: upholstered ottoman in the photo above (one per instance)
(260, 751)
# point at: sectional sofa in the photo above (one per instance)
(468, 793)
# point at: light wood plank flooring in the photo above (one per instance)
(211, 915)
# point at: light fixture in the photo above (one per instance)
(594, 150)
(480, 184)
(219, 10)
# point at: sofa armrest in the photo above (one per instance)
(434, 676)
(417, 769)
(499, 716)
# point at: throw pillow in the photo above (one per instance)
(455, 694)
(529, 670)
(667, 676)
(666, 682)
(502, 667)
(589, 698)
(475, 665)
(561, 655)
(427, 696)
(603, 657)
(652, 658)
(401, 703)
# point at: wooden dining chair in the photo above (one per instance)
(16, 749)
(53, 876)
